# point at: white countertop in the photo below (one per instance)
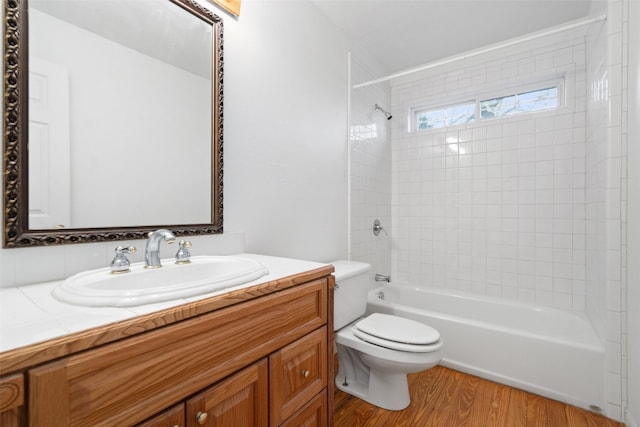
(30, 314)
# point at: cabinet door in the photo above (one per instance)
(172, 417)
(297, 373)
(313, 414)
(12, 400)
(240, 400)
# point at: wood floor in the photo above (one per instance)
(442, 397)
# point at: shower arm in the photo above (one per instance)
(385, 112)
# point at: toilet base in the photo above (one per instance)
(376, 374)
(387, 391)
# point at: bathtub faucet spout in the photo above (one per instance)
(383, 278)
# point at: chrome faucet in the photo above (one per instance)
(383, 278)
(152, 249)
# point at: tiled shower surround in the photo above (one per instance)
(496, 207)
(530, 207)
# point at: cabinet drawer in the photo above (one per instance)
(297, 372)
(129, 381)
(313, 414)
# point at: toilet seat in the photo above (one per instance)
(397, 333)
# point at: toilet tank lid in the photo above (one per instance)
(345, 269)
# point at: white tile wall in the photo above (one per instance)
(630, 294)
(496, 207)
(606, 194)
(370, 175)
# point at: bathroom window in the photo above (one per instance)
(524, 102)
(446, 116)
(485, 107)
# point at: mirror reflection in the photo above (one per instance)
(123, 120)
(119, 114)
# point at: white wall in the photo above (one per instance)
(285, 181)
(285, 131)
(633, 215)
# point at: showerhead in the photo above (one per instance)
(386, 113)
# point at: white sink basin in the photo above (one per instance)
(143, 286)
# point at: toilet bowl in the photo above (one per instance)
(376, 352)
(377, 371)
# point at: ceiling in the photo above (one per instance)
(402, 34)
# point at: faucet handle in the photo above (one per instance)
(183, 256)
(125, 249)
(377, 228)
(120, 263)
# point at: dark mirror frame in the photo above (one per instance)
(16, 146)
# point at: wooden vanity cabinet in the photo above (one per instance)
(262, 362)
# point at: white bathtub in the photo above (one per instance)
(546, 351)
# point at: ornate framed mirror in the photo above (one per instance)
(112, 120)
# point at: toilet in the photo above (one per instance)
(376, 352)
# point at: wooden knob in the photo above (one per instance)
(306, 373)
(201, 417)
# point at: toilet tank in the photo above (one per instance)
(352, 285)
